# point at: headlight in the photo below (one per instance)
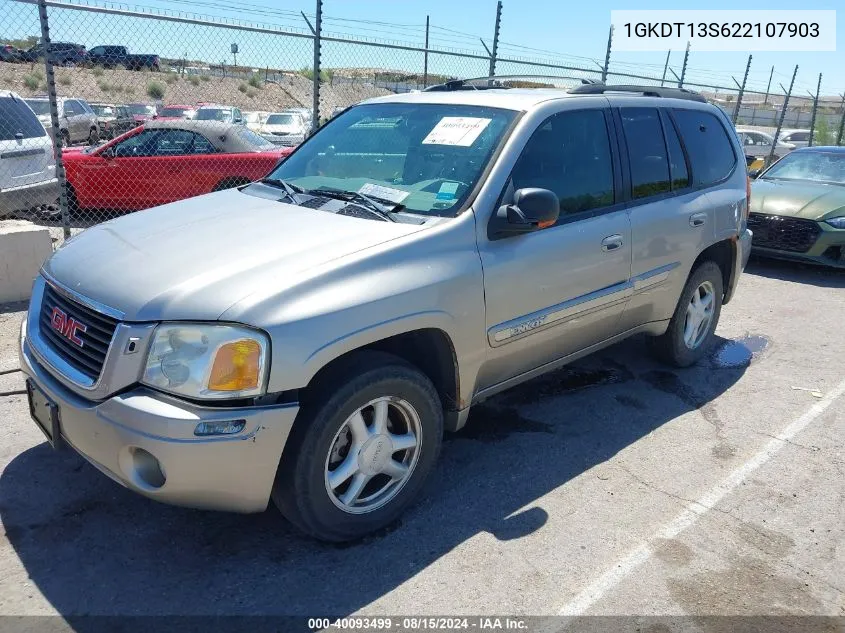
(207, 361)
(837, 223)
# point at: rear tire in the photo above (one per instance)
(691, 328)
(342, 474)
(65, 138)
(93, 136)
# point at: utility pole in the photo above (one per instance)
(665, 67)
(425, 59)
(316, 32)
(741, 90)
(607, 55)
(684, 68)
(782, 115)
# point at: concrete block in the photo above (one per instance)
(23, 248)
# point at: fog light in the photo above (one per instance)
(224, 427)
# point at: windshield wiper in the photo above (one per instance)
(289, 189)
(355, 196)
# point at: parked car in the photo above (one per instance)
(64, 54)
(77, 121)
(306, 113)
(111, 56)
(11, 54)
(758, 144)
(798, 207)
(175, 112)
(309, 337)
(142, 111)
(226, 114)
(113, 119)
(284, 128)
(254, 120)
(27, 169)
(165, 161)
(796, 138)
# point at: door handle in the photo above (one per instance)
(698, 219)
(611, 243)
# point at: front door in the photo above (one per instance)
(562, 289)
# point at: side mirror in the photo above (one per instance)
(107, 153)
(532, 209)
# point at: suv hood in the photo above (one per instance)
(800, 199)
(192, 260)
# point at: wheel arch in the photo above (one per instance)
(428, 349)
(724, 255)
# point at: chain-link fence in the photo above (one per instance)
(109, 109)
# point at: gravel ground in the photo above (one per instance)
(615, 487)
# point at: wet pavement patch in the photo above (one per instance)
(740, 352)
(487, 423)
(566, 380)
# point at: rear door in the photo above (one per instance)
(26, 155)
(673, 214)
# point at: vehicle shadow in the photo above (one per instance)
(92, 547)
(796, 272)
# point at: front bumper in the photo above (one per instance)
(828, 249)
(29, 196)
(231, 472)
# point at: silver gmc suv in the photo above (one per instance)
(309, 337)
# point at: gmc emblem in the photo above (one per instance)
(67, 326)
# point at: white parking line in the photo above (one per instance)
(612, 577)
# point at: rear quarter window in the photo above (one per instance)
(16, 118)
(708, 146)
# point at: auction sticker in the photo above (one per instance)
(456, 130)
(384, 193)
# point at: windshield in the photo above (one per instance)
(281, 119)
(214, 114)
(826, 167)
(260, 143)
(141, 109)
(173, 112)
(38, 106)
(428, 157)
(103, 110)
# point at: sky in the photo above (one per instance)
(565, 33)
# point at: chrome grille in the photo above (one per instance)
(89, 357)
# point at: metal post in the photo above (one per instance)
(684, 68)
(54, 116)
(425, 58)
(607, 55)
(665, 67)
(741, 90)
(318, 25)
(769, 86)
(815, 108)
(782, 114)
(841, 122)
(496, 38)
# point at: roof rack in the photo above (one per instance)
(648, 91)
(495, 82)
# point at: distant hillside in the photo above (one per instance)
(124, 86)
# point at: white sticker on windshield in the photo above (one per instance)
(456, 130)
(384, 193)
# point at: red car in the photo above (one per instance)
(176, 112)
(165, 161)
(142, 111)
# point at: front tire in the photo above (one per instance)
(366, 439)
(696, 316)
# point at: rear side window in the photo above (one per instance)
(16, 118)
(708, 146)
(646, 151)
